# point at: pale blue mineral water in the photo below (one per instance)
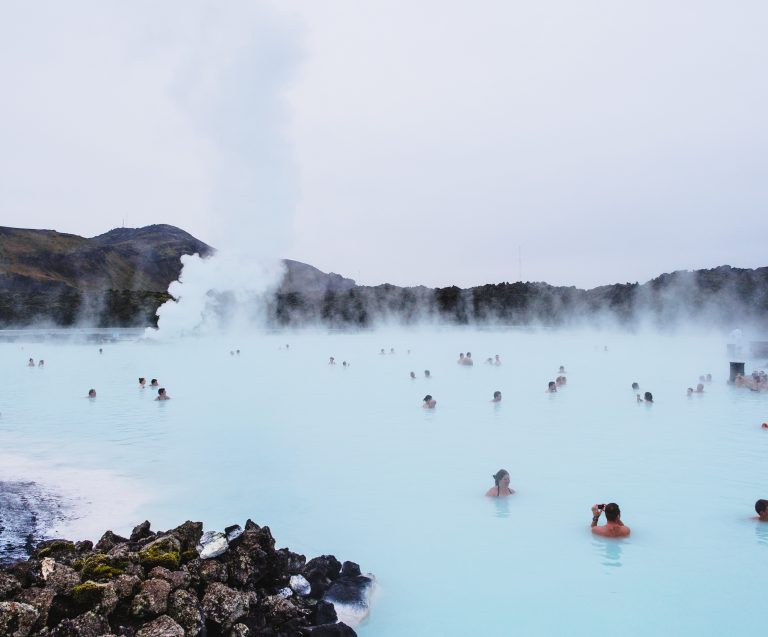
(345, 461)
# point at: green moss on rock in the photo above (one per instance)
(88, 594)
(165, 552)
(57, 546)
(99, 567)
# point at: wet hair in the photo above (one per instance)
(413, 374)
(161, 391)
(469, 353)
(427, 398)
(142, 379)
(497, 479)
(552, 384)
(91, 392)
(426, 372)
(635, 386)
(761, 506)
(497, 394)
(154, 381)
(612, 512)
(648, 397)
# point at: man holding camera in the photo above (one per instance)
(614, 527)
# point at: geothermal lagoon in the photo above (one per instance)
(345, 461)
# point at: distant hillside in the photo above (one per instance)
(121, 277)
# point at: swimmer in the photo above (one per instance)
(101, 351)
(497, 360)
(700, 388)
(331, 361)
(344, 364)
(41, 363)
(142, 382)
(161, 395)
(635, 387)
(91, 393)
(429, 402)
(647, 398)
(391, 350)
(761, 508)
(501, 485)
(427, 374)
(561, 370)
(460, 361)
(689, 391)
(468, 359)
(496, 397)
(709, 378)
(614, 527)
(154, 383)
(31, 362)
(764, 425)
(489, 361)
(551, 387)
(413, 375)
(560, 380)
(237, 352)
(382, 352)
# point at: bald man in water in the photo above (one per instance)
(613, 527)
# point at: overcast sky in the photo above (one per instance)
(409, 142)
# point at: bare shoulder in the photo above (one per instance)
(492, 492)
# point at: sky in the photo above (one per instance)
(417, 142)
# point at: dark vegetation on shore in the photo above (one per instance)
(120, 278)
(172, 584)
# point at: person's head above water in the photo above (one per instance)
(429, 402)
(635, 386)
(501, 484)
(496, 396)
(413, 374)
(91, 393)
(700, 388)
(612, 512)
(761, 508)
(154, 382)
(552, 386)
(648, 397)
(426, 373)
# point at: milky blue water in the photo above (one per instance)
(346, 461)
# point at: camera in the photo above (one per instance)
(600, 507)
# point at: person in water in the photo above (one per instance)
(31, 362)
(561, 370)
(501, 485)
(331, 361)
(161, 395)
(468, 359)
(646, 398)
(426, 374)
(142, 382)
(460, 361)
(764, 425)
(761, 508)
(700, 388)
(91, 393)
(497, 360)
(413, 375)
(551, 387)
(41, 363)
(154, 383)
(496, 397)
(429, 402)
(689, 391)
(613, 527)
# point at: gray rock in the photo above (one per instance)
(233, 532)
(185, 609)
(224, 605)
(300, 585)
(108, 541)
(331, 630)
(140, 531)
(17, 620)
(350, 594)
(40, 599)
(212, 544)
(163, 626)
(177, 579)
(208, 571)
(240, 630)
(152, 599)
(62, 579)
(88, 624)
(8, 585)
(126, 585)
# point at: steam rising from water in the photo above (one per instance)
(231, 82)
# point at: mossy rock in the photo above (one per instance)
(56, 547)
(165, 552)
(88, 594)
(100, 567)
(188, 556)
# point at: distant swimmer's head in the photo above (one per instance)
(612, 512)
(562, 369)
(413, 374)
(142, 380)
(635, 386)
(469, 354)
(426, 373)
(761, 508)
(648, 397)
(429, 402)
(91, 393)
(689, 391)
(343, 363)
(700, 388)
(496, 396)
(154, 382)
(709, 378)
(427, 398)
(551, 386)
(501, 478)
(764, 425)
